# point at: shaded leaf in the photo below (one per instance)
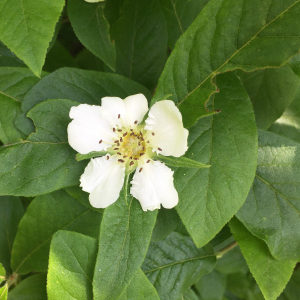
(45, 215)
(11, 212)
(175, 263)
(141, 40)
(272, 209)
(31, 288)
(271, 91)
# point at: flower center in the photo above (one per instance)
(132, 146)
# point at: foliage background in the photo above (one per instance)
(232, 68)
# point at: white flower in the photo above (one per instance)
(116, 126)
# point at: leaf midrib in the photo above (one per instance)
(236, 52)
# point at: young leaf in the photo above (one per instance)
(45, 215)
(270, 91)
(44, 162)
(33, 287)
(71, 266)
(271, 211)
(211, 286)
(270, 274)
(166, 222)
(209, 197)
(81, 86)
(180, 14)
(92, 29)
(124, 238)
(140, 288)
(288, 124)
(141, 40)
(175, 263)
(27, 29)
(11, 212)
(182, 161)
(227, 34)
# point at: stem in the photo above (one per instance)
(126, 185)
(220, 253)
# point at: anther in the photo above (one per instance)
(116, 148)
(130, 157)
(139, 143)
(135, 122)
(131, 163)
(131, 129)
(148, 161)
(141, 133)
(131, 134)
(148, 142)
(140, 170)
(118, 144)
(107, 157)
(119, 116)
(141, 154)
(142, 139)
(119, 153)
(119, 130)
(125, 134)
(121, 140)
(135, 158)
(114, 129)
(100, 141)
(116, 141)
(124, 156)
(121, 160)
(153, 133)
(143, 148)
(159, 149)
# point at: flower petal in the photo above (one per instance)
(165, 121)
(90, 125)
(154, 186)
(103, 178)
(131, 109)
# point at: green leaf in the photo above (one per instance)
(271, 91)
(45, 162)
(226, 35)
(71, 266)
(270, 274)
(45, 215)
(175, 263)
(14, 83)
(166, 222)
(180, 14)
(211, 286)
(289, 123)
(90, 155)
(271, 211)
(124, 238)
(81, 86)
(141, 40)
(58, 57)
(11, 212)
(33, 288)
(92, 29)
(182, 161)
(208, 198)
(189, 295)
(243, 286)
(140, 289)
(27, 29)
(82, 196)
(88, 61)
